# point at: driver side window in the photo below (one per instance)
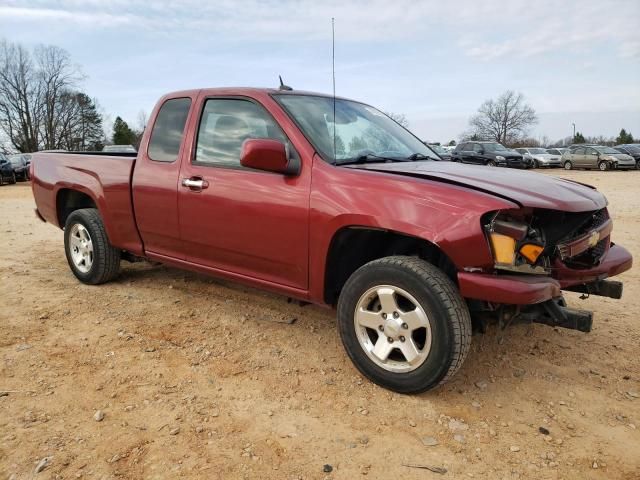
(226, 124)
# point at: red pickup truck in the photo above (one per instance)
(330, 201)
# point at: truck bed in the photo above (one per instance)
(104, 177)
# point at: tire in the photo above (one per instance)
(103, 262)
(446, 336)
(536, 164)
(491, 163)
(638, 165)
(13, 180)
(567, 165)
(603, 166)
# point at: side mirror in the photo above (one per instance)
(269, 155)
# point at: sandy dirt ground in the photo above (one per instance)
(199, 378)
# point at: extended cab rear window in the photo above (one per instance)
(168, 130)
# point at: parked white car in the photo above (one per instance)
(540, 157)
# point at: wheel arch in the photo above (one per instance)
(353, 246)
(69, 200)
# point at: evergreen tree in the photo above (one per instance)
(579, 138)
(90, 124)
(452, 143)
(122, 134)
(624, 137)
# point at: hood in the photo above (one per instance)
(527, 189)
(511, 153)
(620, 156)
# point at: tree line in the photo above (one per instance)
(43, 107)
(508, 119)
(41, 104)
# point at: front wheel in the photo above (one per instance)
(92, 259)
(404, 324)
(567, 165)
(12, 179)
(491, 163)
(638, 165)
(603, 166)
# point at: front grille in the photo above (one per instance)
(593, 256)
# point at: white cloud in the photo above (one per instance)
(485, 30)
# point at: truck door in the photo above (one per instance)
(155, 180)
(235, 219)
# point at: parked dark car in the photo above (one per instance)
(492, 154)
(442, 152)
(20, 163)
(6, 170)
(632, 151)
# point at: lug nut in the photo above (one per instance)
(390, 339)
(402, 339)
(405, 326)
(396, 314)
(384, 315)
(381, 328)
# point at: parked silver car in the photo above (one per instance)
(596, 156)
(558, 151)
(540, 157)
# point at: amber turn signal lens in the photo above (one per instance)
(531, 252)
(504, 249)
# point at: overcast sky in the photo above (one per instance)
(435, 61)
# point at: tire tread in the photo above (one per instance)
(108, 259)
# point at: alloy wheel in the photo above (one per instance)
(392, 328)
(81, 247)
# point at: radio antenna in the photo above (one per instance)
(333, 74)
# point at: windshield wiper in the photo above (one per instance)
(419, 156)
(368, 158)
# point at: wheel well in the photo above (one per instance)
(68, 201)
(352, 247)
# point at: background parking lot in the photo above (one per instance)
(200, 378)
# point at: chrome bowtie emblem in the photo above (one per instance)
(594, 238)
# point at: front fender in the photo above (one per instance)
(445, 215)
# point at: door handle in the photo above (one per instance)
(195, 183)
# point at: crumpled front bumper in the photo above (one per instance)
(531, 289)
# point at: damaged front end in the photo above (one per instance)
(537, 254)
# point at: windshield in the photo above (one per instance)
(607, 150)
(633, 149)
(537, 151)
(494, 147)
(360, 130)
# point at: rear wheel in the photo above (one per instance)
(568, 165)
(603, 166)
(404, 324)
(92, 259)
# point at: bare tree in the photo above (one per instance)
(19, 97)
(57, 78)
(505, 119)
(40, 106)
(400, 118)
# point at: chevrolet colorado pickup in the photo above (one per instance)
(329, 201)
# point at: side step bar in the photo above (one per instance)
(604, 288)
